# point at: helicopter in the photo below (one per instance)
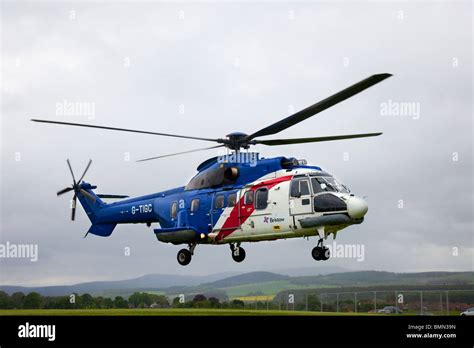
(238, 197)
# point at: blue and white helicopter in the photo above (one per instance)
(238, 197)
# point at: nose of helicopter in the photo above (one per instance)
(357, 207)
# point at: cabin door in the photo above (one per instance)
(300, 197)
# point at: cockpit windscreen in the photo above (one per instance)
(328, 184)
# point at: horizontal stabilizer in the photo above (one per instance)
(103, 230)
(101, 195)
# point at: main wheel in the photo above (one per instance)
(317, 253)
(184, 257)
(238, 254)
(325, 254)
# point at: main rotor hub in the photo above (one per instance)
(237, 140)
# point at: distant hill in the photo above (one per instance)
(365, 278)
(310, 271)
(267, 283)
(247, 278)
(149, 281)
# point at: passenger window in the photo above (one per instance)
(248, 198)
(304, 187)
(261, 198)
(194, 205)
(174, 210)
(231, 200)
(219, 202)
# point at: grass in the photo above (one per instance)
(166, 312)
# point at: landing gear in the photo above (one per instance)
(184, 255)
(238, 253)
(320, 252)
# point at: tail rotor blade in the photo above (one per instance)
(67, 189)
(76, 187)
(72, 173)
(85, 171)
(73, 207)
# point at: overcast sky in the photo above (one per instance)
(207, 69)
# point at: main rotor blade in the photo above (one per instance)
(274, 142)
(85, 171)
(101, 195)
(320, 106)
(180, 153)
(122, 129)
(67, 189)
(72, 173)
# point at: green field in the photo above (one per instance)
(167, 312)
(267, 288)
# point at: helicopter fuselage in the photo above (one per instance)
(229, 202)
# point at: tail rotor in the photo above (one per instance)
(76, 187)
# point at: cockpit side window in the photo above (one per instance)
(316, 186)
(299, 187)
(304, 187)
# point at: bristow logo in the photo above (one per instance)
(37, 331)
(267, 219)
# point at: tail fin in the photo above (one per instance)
(93, 206)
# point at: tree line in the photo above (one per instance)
(34, 300)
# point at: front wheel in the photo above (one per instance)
(317, 253)
(238, 254)
(184, 257)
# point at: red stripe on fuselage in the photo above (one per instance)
(233, 220)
